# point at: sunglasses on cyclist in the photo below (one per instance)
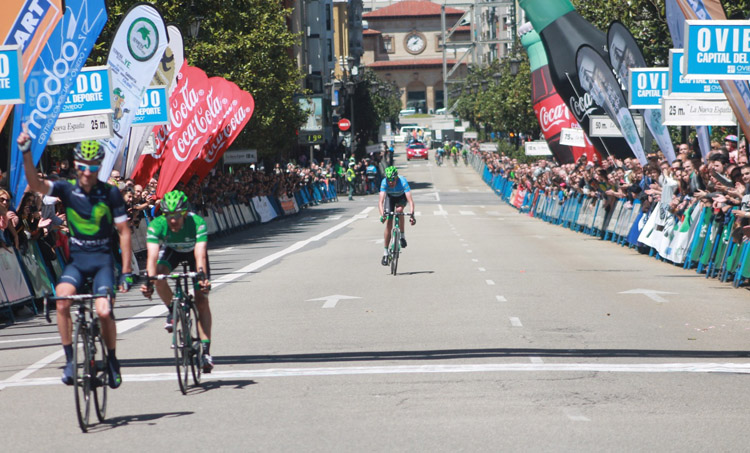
(3, 200)
(84, 167)
(175, 215)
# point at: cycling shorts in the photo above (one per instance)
(171, 258)
(97, 266)
(392, 202)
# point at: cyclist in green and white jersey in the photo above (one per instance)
(174, 237)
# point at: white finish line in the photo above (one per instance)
(737, 368)
(160, 309)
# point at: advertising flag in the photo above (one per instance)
(187, 142)
(27, 23)
(737, 91)
(238, 115)
(624, 54)
(166, 74)
(599, 81)
(53, 77)
(136, 51)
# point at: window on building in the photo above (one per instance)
(388, 44)
(439, 42)
(330, 50)
(328, 17)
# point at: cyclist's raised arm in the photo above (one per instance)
(201, 256)
(36, 183)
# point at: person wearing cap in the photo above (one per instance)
(350, 176)
(730, 143)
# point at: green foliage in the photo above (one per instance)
(375, 102)
(246, 42)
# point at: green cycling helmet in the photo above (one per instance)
(391, 173)
(88, 150)
(174, 201)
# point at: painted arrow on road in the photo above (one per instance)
(331, 301)
(650, 293)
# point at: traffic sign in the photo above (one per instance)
(344, 124)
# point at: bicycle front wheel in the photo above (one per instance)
(180, 335)
(101, 381)
(83, 361)
(395, 249)
(196, 346)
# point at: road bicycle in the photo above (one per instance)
(455, 159)
(394, 248)
(186, 341)
(439, 159)
(90, 377)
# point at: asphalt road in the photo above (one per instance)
(500, 333)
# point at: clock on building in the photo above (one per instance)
(415, 43)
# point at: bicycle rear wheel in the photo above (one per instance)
(82, 373)
(180, 341)
(101, 381)
(196, 346)
(395, 249)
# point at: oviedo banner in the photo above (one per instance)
(137, 48)
(624, 54)
(599, 81)
(166, 74)
(27, 23)
(188, 141)
(53, 77)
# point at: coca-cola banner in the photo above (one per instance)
(166, 74)
(136, 51)
(27, 23)
(737, 91)
(550, 110)
(599, 81)
(243, 106)
(185, 143)
(624, 53)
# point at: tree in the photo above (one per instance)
(376, 101)
(246, 42)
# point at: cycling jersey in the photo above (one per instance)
(193, 230)
(91, 216)
(401, 187)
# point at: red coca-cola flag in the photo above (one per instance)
(182, 104)
(227, 133)
(185, 143)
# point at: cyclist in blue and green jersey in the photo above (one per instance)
(177, 236)
(394, 194)
(94, 209)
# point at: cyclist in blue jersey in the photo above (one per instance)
(394, 194)
(94, 209)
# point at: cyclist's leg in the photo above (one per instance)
(201, 299)
(166, 261)
(387, 208)
(104, 283)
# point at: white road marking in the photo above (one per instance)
(650, 293)
(160, 309)
(501, 299)
(468, 251)
(475, 260)
(490, 282)
(481, 269)
(333, 217)
(466, 212)
(29, 340)
(536, 360)
(330, 301)
(515, 322)
(576, 416)
(493, 213)
(735, 368)
(223, 250)
(439, 212)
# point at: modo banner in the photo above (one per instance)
(599, 81)
(166, 74)
(737, 91)
(137, 48)
(27, 23)
(243, 106)
(624, 54)
(54, 76)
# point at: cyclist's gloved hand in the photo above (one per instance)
(205, 285)
(126, 282)
(147, 289)
(382, 219)
(412, 219)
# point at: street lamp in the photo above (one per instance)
(195, 23)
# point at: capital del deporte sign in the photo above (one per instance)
(11, 75)
(717, 49)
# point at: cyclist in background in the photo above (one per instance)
(454, 153)
(174, 237)
(465, 155)
(394, 194)
(440, 153)
(94, 210)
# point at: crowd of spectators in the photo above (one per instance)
(721, 182)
